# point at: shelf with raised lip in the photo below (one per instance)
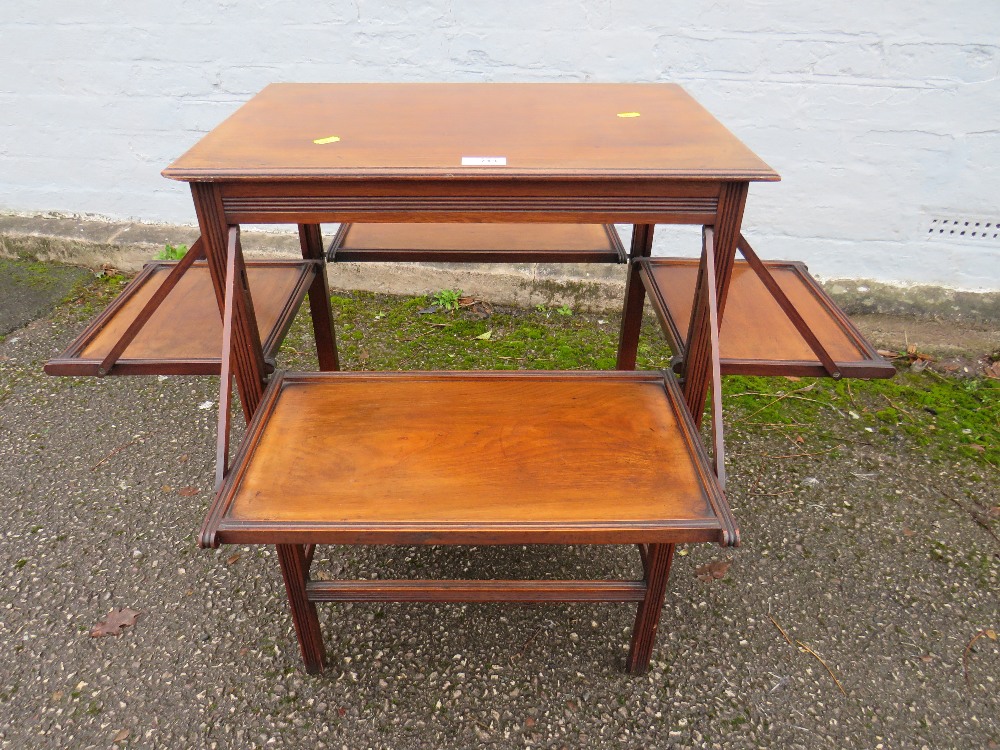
(183, 335)
(478, 243)
(757, 336)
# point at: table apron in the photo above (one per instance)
(636, 202)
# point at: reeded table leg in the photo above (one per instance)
(647, 619)
(247, 354)
(698, 361)
(294, 569)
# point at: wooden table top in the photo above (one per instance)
(320, 131)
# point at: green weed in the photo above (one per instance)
(447, 299)
(172, 252)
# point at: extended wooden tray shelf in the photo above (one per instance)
(470, 458)
(478, 243)
(183, 336)
(757, 337)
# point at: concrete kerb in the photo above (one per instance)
(94, 242)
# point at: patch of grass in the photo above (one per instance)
(944, 417)
(377, 333)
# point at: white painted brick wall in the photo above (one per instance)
(877, 115)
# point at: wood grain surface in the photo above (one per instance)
(754, 326)
(188, 324)
(353, 452)
(427, 128)
(541, 238)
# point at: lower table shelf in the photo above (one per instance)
(470, 458)
(757, 337)
(184, 334)
(478, 243)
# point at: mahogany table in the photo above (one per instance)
(642, 154)
(470, 153)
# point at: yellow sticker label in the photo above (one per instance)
(328, 139)
(629, 114)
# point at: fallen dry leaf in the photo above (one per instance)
(114, 622)
(122, 735)
(978, 448)
(908, 532)
(712, 570)
(793, 378)
(232, 558)
(188, 491)
(993, 371)
(799, 439)
(926, 658)
(167, 488)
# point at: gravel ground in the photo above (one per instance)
(869, 560)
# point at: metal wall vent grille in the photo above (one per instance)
(970, 231)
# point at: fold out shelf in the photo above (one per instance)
(757, 337)
(478, 243)
(184, 334)
(470, 458)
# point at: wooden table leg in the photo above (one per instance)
(647, 619)
(698, 360)
(635, 297)
(311, 241)
(248, 356)
(295, 569)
